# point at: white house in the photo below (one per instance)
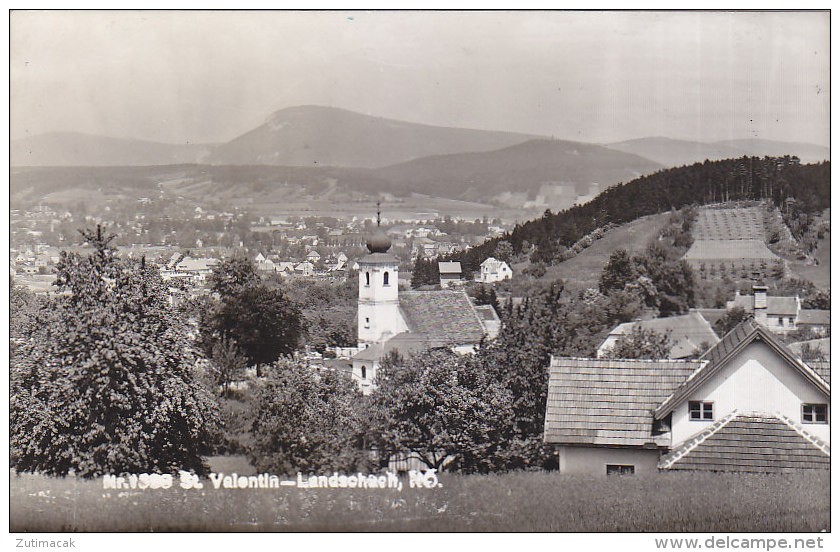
(493, 270)
(748, 404)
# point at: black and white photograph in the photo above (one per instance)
(420, 271)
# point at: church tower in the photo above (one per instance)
(379, 316)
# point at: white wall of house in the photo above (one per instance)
(369, 368)
(594, 460)
(756, 380)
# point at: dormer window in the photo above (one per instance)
(814, 413)
(699, 411)
(385, 279)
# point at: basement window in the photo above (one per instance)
(699, 411)
(814, 413)
(620, 469)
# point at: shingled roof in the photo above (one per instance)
(776, 306)
(608, 402)
(403, 344)
(750, 443)
(730, 345)
(687, 333)
(447, 316)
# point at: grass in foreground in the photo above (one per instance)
(667, 502)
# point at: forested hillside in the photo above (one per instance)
(798, 189)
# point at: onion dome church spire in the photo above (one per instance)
(378, 242)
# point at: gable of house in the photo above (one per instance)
(726, 352)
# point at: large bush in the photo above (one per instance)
(103, 382)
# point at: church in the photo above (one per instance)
(391, 320)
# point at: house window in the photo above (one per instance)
(791, 321)
(781, 321)
(385, 279)
(700, 411)
(367, 322)
(620, 469)
(364, 372)
(367, 278)
(814, 413)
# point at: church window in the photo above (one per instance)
(364, 372)
(385, 279)
(367, 278)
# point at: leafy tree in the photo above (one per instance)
(232, 275)
(425, 273)
(618, 272)
(227, 364)
(485, 295)
(732, 318)
(307, 421)
(105, 384)
(641, 343)
(262, 321)
(439, 406)
(504, 251)
(809, 353)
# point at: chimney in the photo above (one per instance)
(760, 304)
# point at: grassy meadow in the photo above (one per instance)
(662, 502)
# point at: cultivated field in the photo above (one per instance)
(670, 502)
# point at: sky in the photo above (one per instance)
(197, 77)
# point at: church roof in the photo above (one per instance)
(379, 259)
(447, 316)
(403, 344)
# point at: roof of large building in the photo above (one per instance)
(688, 332)
(608, 402)
(814, 316)
(726, 250)
(749, 443)
(730, 345)
(776, 306)
(442, 315)
(403, 344)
